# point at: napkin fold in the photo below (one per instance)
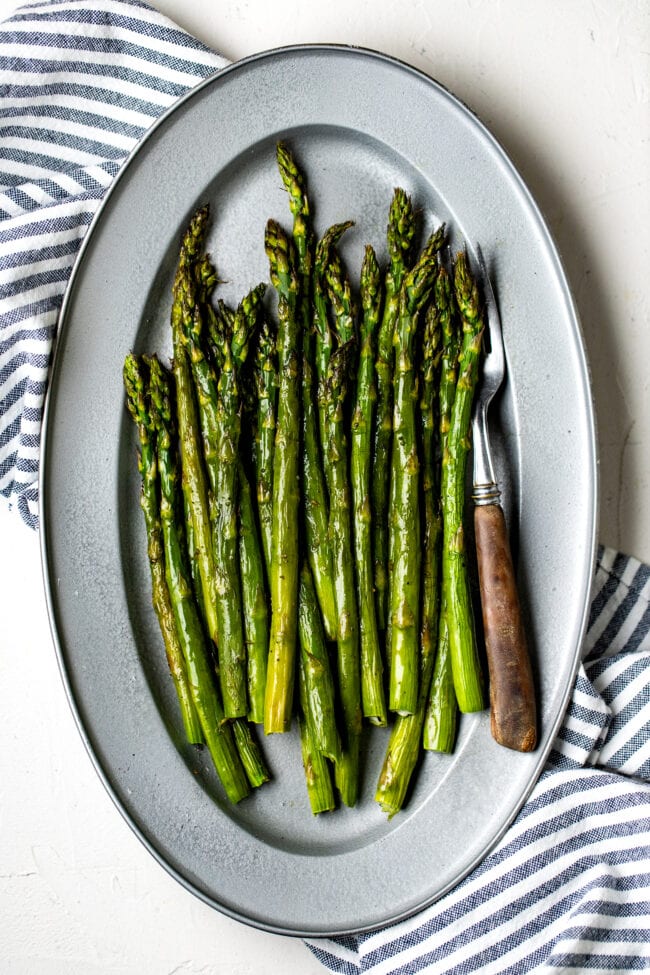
(80, 84)
(568, 886)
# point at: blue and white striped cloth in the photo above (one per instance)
(568, 887)
(80, 83)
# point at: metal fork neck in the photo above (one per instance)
(484, 494)
(486, 490)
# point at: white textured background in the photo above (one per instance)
(565, 87)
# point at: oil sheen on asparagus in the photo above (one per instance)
(302, 463)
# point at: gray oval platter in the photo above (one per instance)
(360, 123)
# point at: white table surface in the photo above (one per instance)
(565, 88)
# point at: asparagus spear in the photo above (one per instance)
(316, 504)
(405, 515)
(253, 763)
(244, 322)
(254, 607)
(347, 768)
(254, 602)
(313, 482)
(266, 378)
(458, 608)
(431, 513)
(340, 294)
(318, 731)
(206, 279)
(322, 257)
(322, 328)
(406, 734)
(251, 757)
(226, 316)
(192, 556)
(217, 733)
(218, 410)
(318, 699)
(294, 184)
(441, 718)
(450, 350)
(442, 710)
(194, 478)
(399, 235)
(317, 772)
(135, 384)
(284, 555)
(372, 686)
(251, 558)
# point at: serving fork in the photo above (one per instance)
(513, 718)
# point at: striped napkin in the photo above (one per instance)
(568, 887)
(80, 84)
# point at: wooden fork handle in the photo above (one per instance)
(513, 715)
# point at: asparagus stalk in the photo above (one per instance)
(406, 734)
(194, 478)
(226, 316)
(318, 696)
(284, 555)
(254, 602)
(450, 350)
(431, 511)
(135, 384)
(347, 768)
(266, 378)
(192, 556)
(218, 734)
(218, 410)
(237, 331)
(294, 184)
(250, 755)
(317, 772)
(441, 718)
(399, 235)
(232, 648)
(322, 328)
(442, 710)
(316, 504)
(340, 294)
(405, 465)
(248, 323)
(313, 481)
(243, 324)
(372, 685)
(206, 279)
(466, 667)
